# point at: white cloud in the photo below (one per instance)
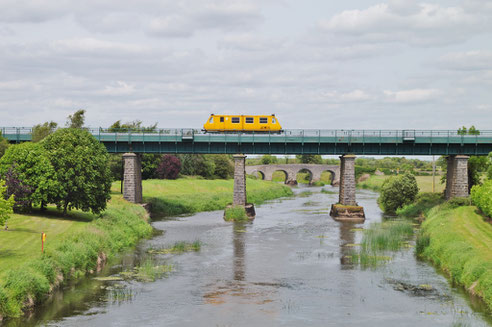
(118, 88)
(411, 96)
(469, 60)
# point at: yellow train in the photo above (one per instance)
(242, 123)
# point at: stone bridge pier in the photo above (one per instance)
(457, 177)
(132, 178)
(239, 197)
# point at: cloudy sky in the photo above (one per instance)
(319, 64)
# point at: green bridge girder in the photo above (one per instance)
(325, 142)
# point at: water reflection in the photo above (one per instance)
(238, 240)
(347, 240)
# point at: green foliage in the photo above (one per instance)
(41, 131)
(149, 162)
(398, 191)
(423, 203)
(421, 243)
(224, 167)
(454, 203)
(133, 126)
(76, 120)
(197, 164)
(115, 163)
(386, 236)
(481, 196)
(360, 170)
(235, 213)
(309, 159)
(6, 205)
(471, 131)
(477, 165)
(268, 159)
(81, 170)
(34, 167)
(4, 144)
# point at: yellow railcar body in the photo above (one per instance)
(242, 123)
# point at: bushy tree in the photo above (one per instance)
(40, 131)
(132, 126)
(31, 165)
(268, 159)
(150, 162)
(81, 170)
(224, 167)
(197, 164)
(76, 120)
(16, 188)
(169, 167)
(398, 191)
(4, 144)
(115, 163)
(309, 159)
(6, 204)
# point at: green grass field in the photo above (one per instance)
(189, 195)
(424, 182)
(459, 242)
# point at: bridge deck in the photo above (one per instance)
(366, 142)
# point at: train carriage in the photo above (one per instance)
(242, 123)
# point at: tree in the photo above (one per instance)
(6, 204)
(76, 120)
(310, 159)
(150, 162)
(268, 159)
(133, 126)
(224, 168)
(197, 164)
(169, 167)
(31, 165)
(39, 131)
(4, 144)
(398, 191)
(17, 189)
(81, 170)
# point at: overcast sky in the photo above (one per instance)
(315, 63)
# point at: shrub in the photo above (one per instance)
(20, 191)
(398, 191)
(457, 202)
(224, 168)
(169, 167)
(423, 203)
(481, 196)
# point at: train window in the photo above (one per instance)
(263, 120)
(235, 120)
(273, 120)
(221, 119)
(211, 120)
(249, 120)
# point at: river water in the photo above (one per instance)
(287, 268)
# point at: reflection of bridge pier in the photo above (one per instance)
(347, 237)
(239, 251)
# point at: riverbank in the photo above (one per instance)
(424, 183)
(80, 243)
(190, 195)
(458, 241)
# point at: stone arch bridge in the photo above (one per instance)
(291, 170)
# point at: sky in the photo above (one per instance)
(316, 64)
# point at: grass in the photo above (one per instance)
(74, 246)
(190, 195)
(235, 213)
(380, 238)
(179, 247)
(458, 240)
(424, 182)
(421, 206)
(149, 271)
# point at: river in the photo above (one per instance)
(287, 268)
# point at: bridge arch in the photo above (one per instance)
(258, 174)
(303, 170)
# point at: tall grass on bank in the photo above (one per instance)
(381, 238)
(189, 195)
(79, 252)
(458, 241)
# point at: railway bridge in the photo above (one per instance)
(291, 171)
(454, 144)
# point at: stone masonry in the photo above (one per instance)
(291, 171)
(239, 180)
(132, 178)
(347, 180)
(457, 177)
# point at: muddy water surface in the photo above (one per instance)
(287, 268)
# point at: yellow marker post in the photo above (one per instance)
(43, 239)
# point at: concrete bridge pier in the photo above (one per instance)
(132, 178)
(239, 197)
(347, 209)
(457, 177)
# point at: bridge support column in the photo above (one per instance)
(239, 196)
(132, 178)
(457, 177)
(347, 208)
